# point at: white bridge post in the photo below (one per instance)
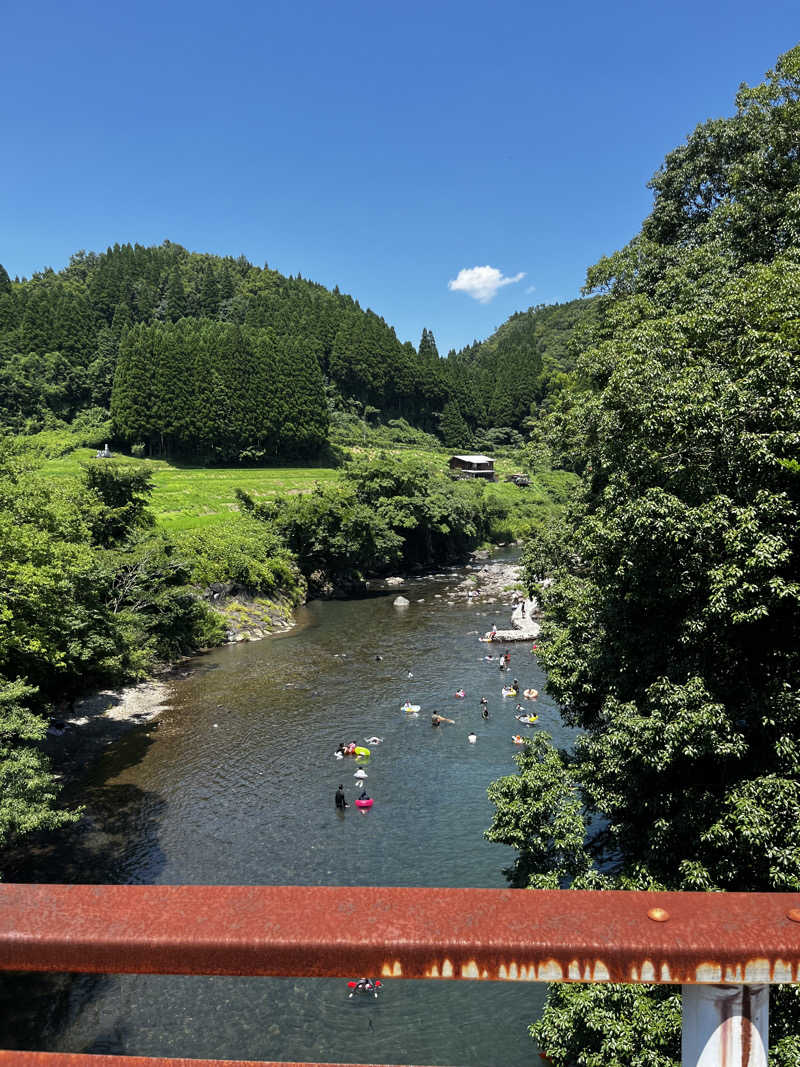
(725, 1026)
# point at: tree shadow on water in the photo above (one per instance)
(116, 841)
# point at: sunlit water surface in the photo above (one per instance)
(235, 785)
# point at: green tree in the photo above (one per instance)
(453, 427)
(427, 346)
(120, 494)
(175, 299)
(28, 791)
(671, 628)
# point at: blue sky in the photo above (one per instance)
(383, 147)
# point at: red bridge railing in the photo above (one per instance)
(725, 949)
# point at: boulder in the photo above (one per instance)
(401, 602)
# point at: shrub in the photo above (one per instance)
(244, 552)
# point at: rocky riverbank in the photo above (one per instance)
(492, 582)
(98, 719)
(487, 582)
(250, 618)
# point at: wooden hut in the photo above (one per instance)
(473, 467)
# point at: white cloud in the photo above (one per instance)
(481, 283)
(531, 289)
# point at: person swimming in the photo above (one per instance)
(472, 738)
(364, 985)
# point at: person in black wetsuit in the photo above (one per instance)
(341, 803)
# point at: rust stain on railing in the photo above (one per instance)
(77, 1059)
(484, 934)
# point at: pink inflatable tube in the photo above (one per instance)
(364, 803)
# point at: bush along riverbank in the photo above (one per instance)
(387, 515)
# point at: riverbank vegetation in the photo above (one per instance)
(670, 632)
(91, 596)
(388, 513)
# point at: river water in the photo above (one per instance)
(234, 784)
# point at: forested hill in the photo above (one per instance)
(201, 355)
(514, 373)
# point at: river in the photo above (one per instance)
(234, 784)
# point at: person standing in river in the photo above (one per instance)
(341, 803)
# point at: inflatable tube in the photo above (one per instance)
(366, 803)
(528, 719)
(509, 692)
(516, 738)
(364, 986)
(410, 707)
(460, 694)
(360, 751)
(530, 694)
(361, 773)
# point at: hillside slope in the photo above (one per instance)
(106, 332)
(511, 374)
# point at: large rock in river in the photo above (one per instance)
(401, 602)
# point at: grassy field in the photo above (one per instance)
(188, 498)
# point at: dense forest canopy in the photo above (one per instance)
(212, 358)
(212, 388)
(515, 374)
(128, 328)
(672, 627)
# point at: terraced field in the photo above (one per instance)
(190, 497)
